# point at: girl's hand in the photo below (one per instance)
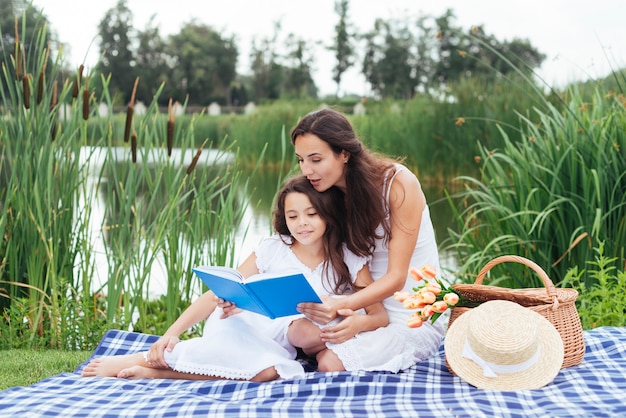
(155, 354)
(322, 313)
(344, 330)
(228, 308)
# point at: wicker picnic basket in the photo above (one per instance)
(555, 304)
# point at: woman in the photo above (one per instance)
(387, 219)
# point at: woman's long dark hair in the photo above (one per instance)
(365, 207)
(331, 208)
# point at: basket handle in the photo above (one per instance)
(550, 289)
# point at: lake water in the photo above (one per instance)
(256, 224)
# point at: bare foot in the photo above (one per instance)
(137, 372)
(266, 375)
(111, 366)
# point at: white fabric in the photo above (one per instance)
(396, 347)
(241, 346)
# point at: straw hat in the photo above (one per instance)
(504, 346)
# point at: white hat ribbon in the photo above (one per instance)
(491, 369)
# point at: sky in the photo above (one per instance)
(581, 39)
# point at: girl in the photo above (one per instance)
(249, 346)
(387, 219)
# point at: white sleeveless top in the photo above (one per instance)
(425, 252)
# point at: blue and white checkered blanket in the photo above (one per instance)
(595, 388)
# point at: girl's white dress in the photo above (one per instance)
(242, 345)
(396, 347)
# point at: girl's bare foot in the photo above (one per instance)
(137, 372)
(111, 366)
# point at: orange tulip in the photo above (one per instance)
(433, 287)
(416, 274)
(426, 297)
(429, 271)
(414, 321)
(451, 298)
(401, 296)
(440, 306)
(428, 311)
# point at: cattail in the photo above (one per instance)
(26, 87)
(86, 100)
(194, 161)
(53, 131)
(85, 104)
(170, 129)
(40, 88)
(133, 147)
(77, 80)
(130, 111)
(40, 83)
(19, 55)
(53, 103)
(129, 120)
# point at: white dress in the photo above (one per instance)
(242, 345)
(396, 347)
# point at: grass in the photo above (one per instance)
(25, 367)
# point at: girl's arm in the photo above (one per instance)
(198, 311)
(407, 202)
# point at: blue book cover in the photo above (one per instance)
(267, 294)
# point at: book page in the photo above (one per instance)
(225, 272)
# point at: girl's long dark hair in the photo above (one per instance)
(365, 208)
(331, 208)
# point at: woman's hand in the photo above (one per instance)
(347, 328)
(322, 313)
(155, 354)
(228, 308)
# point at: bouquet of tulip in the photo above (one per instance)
(429, 300)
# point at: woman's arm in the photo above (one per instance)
(376, 316)
(407, 202)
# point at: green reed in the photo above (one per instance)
(549, 194)
(148, 211)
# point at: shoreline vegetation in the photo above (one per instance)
(536, 174)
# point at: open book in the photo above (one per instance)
(267, 294)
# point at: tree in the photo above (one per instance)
(298, 80)
(152, 64)
(267, 72)
(204, 64)
(115, 31)
(389, 64)
(342, 47)
(475, 53)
